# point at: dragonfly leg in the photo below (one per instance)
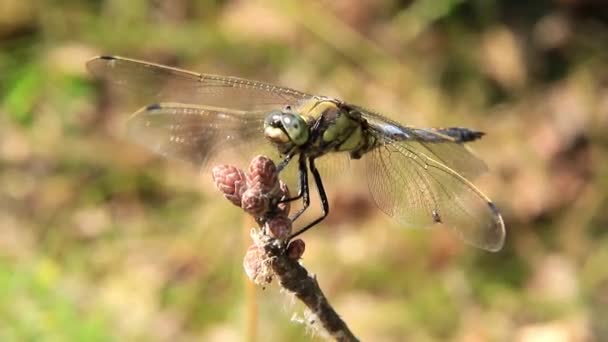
(324, 202)
(302, 177)
(285, 161)
(303, 192)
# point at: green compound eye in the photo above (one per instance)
(296, 128)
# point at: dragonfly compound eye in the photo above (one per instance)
(296, 128)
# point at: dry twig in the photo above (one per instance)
(272, 254)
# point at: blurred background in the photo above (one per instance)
(102, 241)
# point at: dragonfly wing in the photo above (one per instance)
(452, 154)
(162, 83)
(196, 134)
(441, 147)
(407, 183)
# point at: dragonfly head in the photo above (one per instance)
(286, 129)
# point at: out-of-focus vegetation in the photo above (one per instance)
(100, 240)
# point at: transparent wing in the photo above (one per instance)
(441, 147)
(445, 150)
(161, 83)
(197, 134)
(407, 183)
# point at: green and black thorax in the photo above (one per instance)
(318, 127)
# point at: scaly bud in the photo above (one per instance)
(231, 181)
(296, 249)
(253, 263)
(255, 202)
(263, 174)
(279, 227)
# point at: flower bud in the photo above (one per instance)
(278, 227)
(231, 181)
(262, 174)
(255, 202)
(253, 262)
(296, 249)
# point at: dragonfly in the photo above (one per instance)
(419, 176)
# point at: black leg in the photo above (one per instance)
(285, 161)
(280, 168)
(322, 195)
(302, 178)
(303, 191)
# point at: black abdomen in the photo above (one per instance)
(461, 135)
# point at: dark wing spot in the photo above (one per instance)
(154, 106)
(436, 217)
(494, 209)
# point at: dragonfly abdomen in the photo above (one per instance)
(461, 134)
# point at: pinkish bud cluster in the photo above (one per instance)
(252, 191)
(255, 192)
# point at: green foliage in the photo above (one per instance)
(24, 94)
(32, 308)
